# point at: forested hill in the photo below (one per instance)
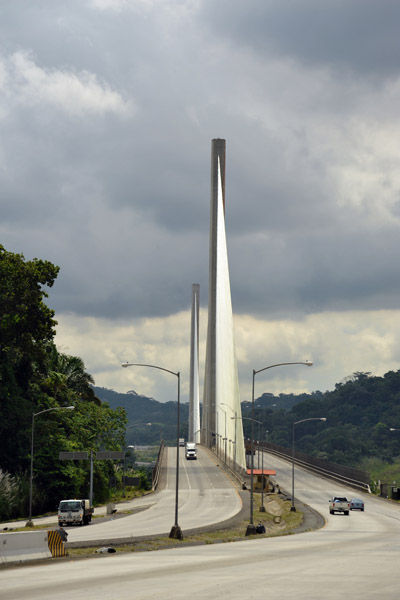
(284, 401)
(141, 411)
(360, 413)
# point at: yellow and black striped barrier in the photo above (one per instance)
(56, 544)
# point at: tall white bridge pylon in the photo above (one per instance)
(194, 395)
(221, 420)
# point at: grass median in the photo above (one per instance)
(277, 519)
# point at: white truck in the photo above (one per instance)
(191, 451)
(339, 504)
(72, 512)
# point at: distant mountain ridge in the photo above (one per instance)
(142, 410)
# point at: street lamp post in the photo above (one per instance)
(262, 507)
(225, 438)
(293, 508)
(234, 441)
(176, 532)
(218, 437)
(251, 529)
(29, 522)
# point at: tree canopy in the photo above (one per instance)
(35, 376)
(359, 413)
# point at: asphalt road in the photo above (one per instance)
(206, 496)
(355, 556)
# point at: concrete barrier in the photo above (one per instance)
(111, 510)
(23, 546)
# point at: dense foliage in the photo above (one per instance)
(36, 377)
(359, 413)
(148, 419)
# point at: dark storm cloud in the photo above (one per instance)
(360, 36)
(106, 121)
(355, 270)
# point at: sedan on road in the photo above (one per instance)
(356, 504)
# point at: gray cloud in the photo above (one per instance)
(106, 120)
(360, 37)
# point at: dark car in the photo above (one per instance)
(356, 504)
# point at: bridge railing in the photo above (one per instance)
(350, 476)
(157, 467)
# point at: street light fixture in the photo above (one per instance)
(251, 529)
(293, 508)
(176, 532)
(29, 522)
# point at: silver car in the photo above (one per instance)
(356, 504)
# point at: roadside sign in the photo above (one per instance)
(73, 456)
(109, 455)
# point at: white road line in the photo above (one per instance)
(186, 473)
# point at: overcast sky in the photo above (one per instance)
(107, 112)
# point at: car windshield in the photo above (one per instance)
(72, 505)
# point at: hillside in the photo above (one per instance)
(141, 411)
(359, 413)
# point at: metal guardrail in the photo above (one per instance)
(155, 476)
(346, 475)
(350, 476)
(237, 473)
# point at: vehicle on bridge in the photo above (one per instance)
(191, 451)
(339, 504)
(356, 504)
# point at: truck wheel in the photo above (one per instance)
(346, 512)
(332, 512)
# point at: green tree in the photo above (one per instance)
(35, 376)
(26, 322)
(26, 325)
(67, 373)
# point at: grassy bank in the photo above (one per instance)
(382, 471)
(277, 519)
